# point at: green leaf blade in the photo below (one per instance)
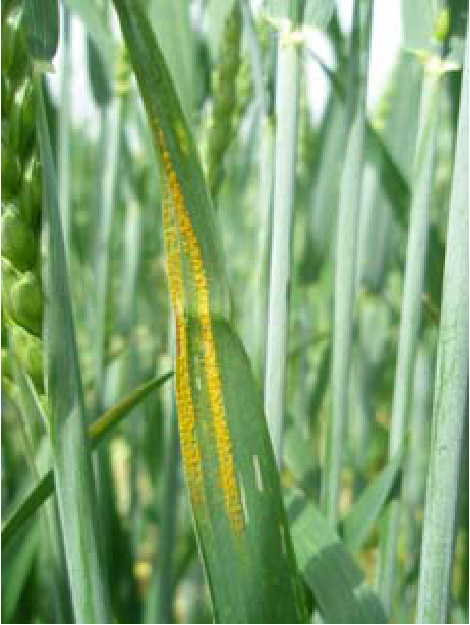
(166, 116)
(99, 79)
(450, 410)
(75, 486)
(98, 430)
(328, 569)
(365, 512)
(42, 27)
(229, 464)
(268, 577)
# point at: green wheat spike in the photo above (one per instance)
(22, 297)
(222, 126)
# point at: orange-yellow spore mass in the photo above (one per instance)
(189, 443)
(178, 230)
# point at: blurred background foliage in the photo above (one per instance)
(119, 292)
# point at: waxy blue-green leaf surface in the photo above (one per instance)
(70, 446)
(260, 582)
(250, 567)
(329, 571)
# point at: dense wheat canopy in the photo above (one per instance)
(234, 301)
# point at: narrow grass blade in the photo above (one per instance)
(16, 569)
(64, 132)
(377, 150)
(346, 255)
(325, 192)
(287, 90)
(71, 457)
(344, 302)
(451, 394)
(328, 570)
(51, 556)
(414, 482)
(32, 413)
(255, 57)
(166, 585)
(97, 431)
(257, 346)
(367, 509)
(411, 308)
(394, 124)
(159, 601)
(27, 508)
(395, 184)
(97, 71)
(415, 471)
(321, 385)
(298, 455)
(93, 19)
(42, 29)
(110, 141)
(100, 428)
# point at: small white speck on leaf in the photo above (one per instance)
(259, 480)
(242, 494)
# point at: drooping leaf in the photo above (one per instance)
(389, 159)
(112, 417)
(93, 20)
(364, 514)
(16, 567)
(99, 79)
(28, 507)
(325, 192)
(328, 570)
(299, 456)
(97, 431)
(392, 137)
(321, 384)
(42, 28)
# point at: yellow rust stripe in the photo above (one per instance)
(179, 231)
(190, 446)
